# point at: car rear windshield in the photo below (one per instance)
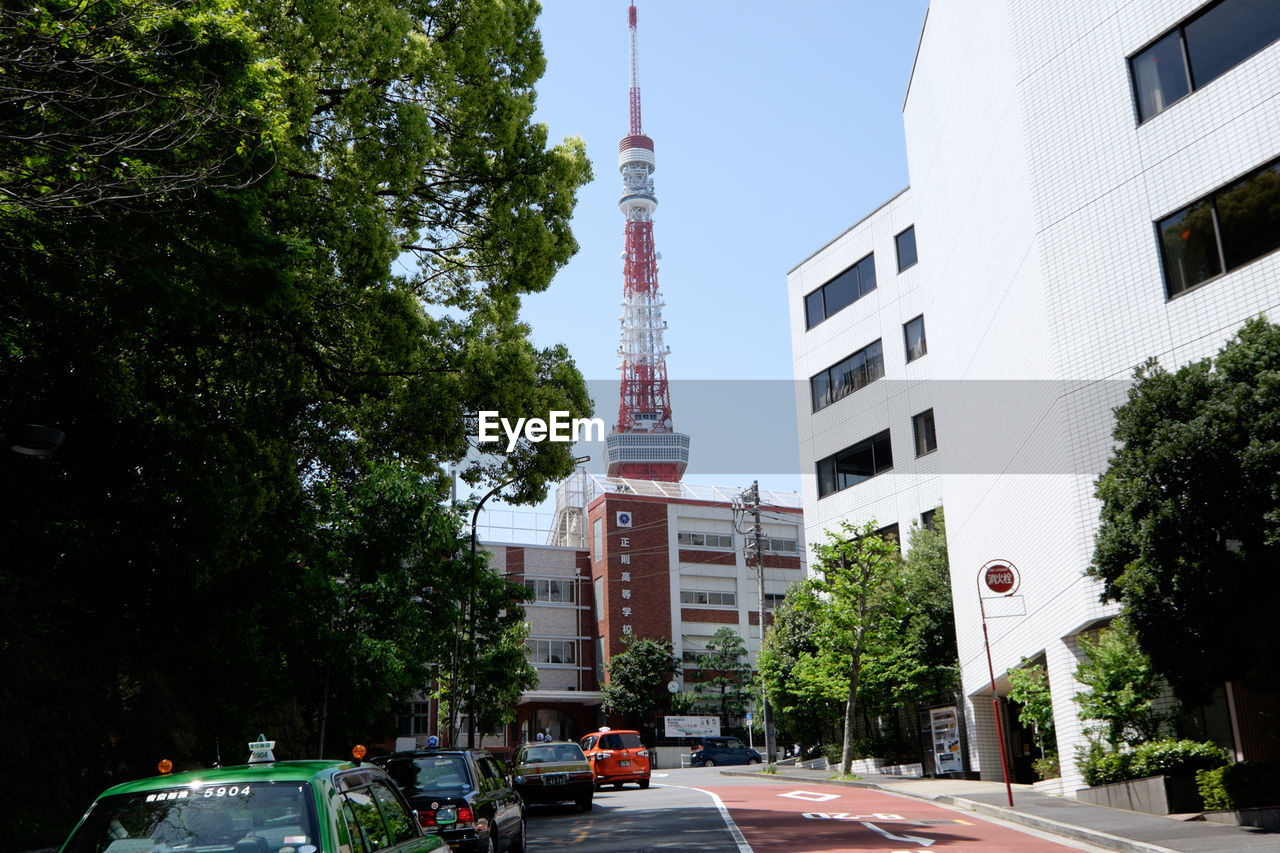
(443, 775)
(255, 817)
(620, 740)
(558, 752)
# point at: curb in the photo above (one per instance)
(1053, 827)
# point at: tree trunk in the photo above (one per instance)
(846, 754)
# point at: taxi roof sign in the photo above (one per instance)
(260, 751)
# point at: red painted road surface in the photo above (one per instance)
(796, 817)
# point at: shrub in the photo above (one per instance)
(1240, 786)
(1155, 758)
(1047, 767)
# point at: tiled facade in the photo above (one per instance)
(1035, 194)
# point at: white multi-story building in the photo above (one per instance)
(1080, 185)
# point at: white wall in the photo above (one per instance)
(1033, 193)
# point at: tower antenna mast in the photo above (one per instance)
(643, 444)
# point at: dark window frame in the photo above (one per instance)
(1188, 64)
(828, 376)
(922, 439)
(857, 269)
(1223, 252)
(855, 452)
(897, 248)
(906, 339)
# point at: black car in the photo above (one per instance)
(490, 814)
(718, 751)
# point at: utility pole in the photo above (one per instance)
(751, 499)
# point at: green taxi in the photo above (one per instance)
(266, 806)
(553, 772)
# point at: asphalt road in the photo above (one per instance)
(698, 809)
(630, 820)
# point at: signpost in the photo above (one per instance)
(692, 726)
(1001, 578)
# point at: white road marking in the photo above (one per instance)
(924, 842)
(810, 796)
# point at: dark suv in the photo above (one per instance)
(490, 812)
(716, 751)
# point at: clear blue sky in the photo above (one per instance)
(776, 127)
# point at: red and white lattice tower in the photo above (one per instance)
(643, 444)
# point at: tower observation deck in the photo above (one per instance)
(643, 444)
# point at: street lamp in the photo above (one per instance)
(34, 440)
(471, 604)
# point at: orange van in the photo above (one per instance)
(617, 756)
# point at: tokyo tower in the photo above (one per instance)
(643, 444)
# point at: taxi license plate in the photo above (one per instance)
(556, 778)
(624, 763)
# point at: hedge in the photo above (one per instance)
(1154, 758)
(1240, 786)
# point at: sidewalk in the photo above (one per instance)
(1113, 829)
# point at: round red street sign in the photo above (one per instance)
(1000, 578)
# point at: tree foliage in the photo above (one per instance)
(724, 675)
(1121, 687)
(1029, 687)
(804, 697)
(908, 658)
(117, 102)
(264, 329)
(1190, 532)
(638, 678)
(859, 575)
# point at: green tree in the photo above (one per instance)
(859, 573)
(1122, 687)
(1029, 687)
(499, 661)
(917, 663)
(638, 679)
(1190, 531)
(802, 697)
(251, 360)
(724, 676)
(120, 102)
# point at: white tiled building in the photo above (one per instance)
(1070, 198)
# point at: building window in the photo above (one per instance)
(913, 331)
(550, 651)
(889, 532)
(549, 591)
(926, 436)
(772, 600)
(1213, 42)
(906, 242)
(854, 464)
(774, 545)
(1222, 231)
(704, 540)
(694, 657)
(711, 599)
(839, 381)
(927, 519)
(597, 539)
(842, 291)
